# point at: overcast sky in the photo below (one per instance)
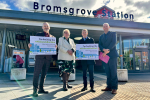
(139, 8)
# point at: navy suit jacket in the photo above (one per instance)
(89, 40)
(109, 43)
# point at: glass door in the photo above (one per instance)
(141, 60)
(145, 61)
(138, 58)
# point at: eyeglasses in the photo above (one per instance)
(66, 32)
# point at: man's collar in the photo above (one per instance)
(107, 32)
(46, 32)
(85, 38)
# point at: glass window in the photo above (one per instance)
(118, 60)
(140, 43)
(128, 59)
(11, 42)
(118, 46)
(1, 42)
(145, 61)
(127, 44)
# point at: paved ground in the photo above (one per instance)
(137, 88)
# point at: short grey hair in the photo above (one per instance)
(46, 23)
(106, 24)
(85, 30)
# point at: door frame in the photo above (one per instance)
(141, 50)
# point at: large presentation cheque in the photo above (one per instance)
(42, 45)
(87, 52)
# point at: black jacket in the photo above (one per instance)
(89, 40)
(109, 43)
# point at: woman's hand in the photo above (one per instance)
(70, 52)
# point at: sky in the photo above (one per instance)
(139, 8)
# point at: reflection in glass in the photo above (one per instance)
(117, 46)
(118, 60)
(145, 61)
(1, 42)
(140, 42)
(127, 44)
(128, 59)
(137, 60)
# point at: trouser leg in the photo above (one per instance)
(113, 72)
(91, 75)
(44, 72)
(108, 73)
(20, 65)
(84, 69)
(37, 69)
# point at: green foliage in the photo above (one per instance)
(128, 62)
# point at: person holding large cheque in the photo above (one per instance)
(42, 63)
(66, 55)
(87, 64)
(107, 45)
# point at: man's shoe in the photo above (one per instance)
(65, 89)
(114, 91)
(35, 94)
(106, 89)
(83, 89)
(42, 91)
(92, 90)
(69, 86)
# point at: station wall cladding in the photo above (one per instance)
(71, 11)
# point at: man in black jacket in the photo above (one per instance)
(42, 63)
(87, 64)
(107, 45)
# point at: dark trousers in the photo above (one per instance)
(90, 68)
(20, 65)
(41, 66)
(111, 72)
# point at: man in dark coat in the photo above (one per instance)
(87, 64)
(42, 64)
(107, 45)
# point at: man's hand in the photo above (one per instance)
(29, 45)
(104, 54)
(106, 51)
(56, 46)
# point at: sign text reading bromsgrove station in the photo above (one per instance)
(71, 11)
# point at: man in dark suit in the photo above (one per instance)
(42, 63)
(107, 45)
(87, 64)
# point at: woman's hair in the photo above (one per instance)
(14, 56)
(67, 31)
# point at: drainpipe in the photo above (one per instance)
(121, 57)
